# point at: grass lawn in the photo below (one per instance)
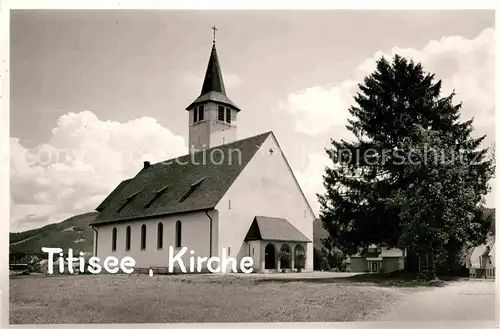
(197, 298)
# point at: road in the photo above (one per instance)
(471, 300)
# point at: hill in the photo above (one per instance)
(74, 233)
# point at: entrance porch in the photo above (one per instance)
(276, 245)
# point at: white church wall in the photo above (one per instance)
(94, 243)
(255, 253)
(199, 132)
(222, 133)
(266, 187)
(195, 236)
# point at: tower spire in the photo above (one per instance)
(213, 77)
(212, 116)
(213, 89)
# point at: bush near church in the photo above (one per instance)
(301, 258)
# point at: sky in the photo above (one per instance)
(94, 92)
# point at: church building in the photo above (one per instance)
(236, 194)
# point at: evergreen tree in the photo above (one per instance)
(414, 177)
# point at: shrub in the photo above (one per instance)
(300, 258)
(283, 256)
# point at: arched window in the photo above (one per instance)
(159, 240)
(113, 239)
(178, 234)
(143, 236)
(127, 238)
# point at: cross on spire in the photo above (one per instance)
(215, 29)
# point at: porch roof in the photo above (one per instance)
(274, 229)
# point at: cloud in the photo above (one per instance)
(317, 109)
(311, 178)
(466, 65)
(82, 162)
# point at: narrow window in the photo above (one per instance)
(228, 115)
(201, 113)
(113, 239)
(229, 251)
(143, 237)
(220, 115)
(178, 234)
(253, 251)
(195, 113)
(160, 236)
(127, 238)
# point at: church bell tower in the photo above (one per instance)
(212, 116)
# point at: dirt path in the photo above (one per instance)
(471, 300)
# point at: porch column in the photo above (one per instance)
(277, 250)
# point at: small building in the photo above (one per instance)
(377, 259)
(481, 260)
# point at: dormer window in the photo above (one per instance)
(156, 195)
(198, 114)
(193, 188)
(228, 115)
(127, 201)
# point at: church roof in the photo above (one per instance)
(110, 197)
(216, 97)
(274, 229)
(189, 183)
(213, 88)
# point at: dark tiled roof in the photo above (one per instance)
(213, 85)
(216, 97)
(213, 76)
(274, 229)
(110, 197)
(167, 182)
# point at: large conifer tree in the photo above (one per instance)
(414, 177)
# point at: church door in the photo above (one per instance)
(270, 257)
